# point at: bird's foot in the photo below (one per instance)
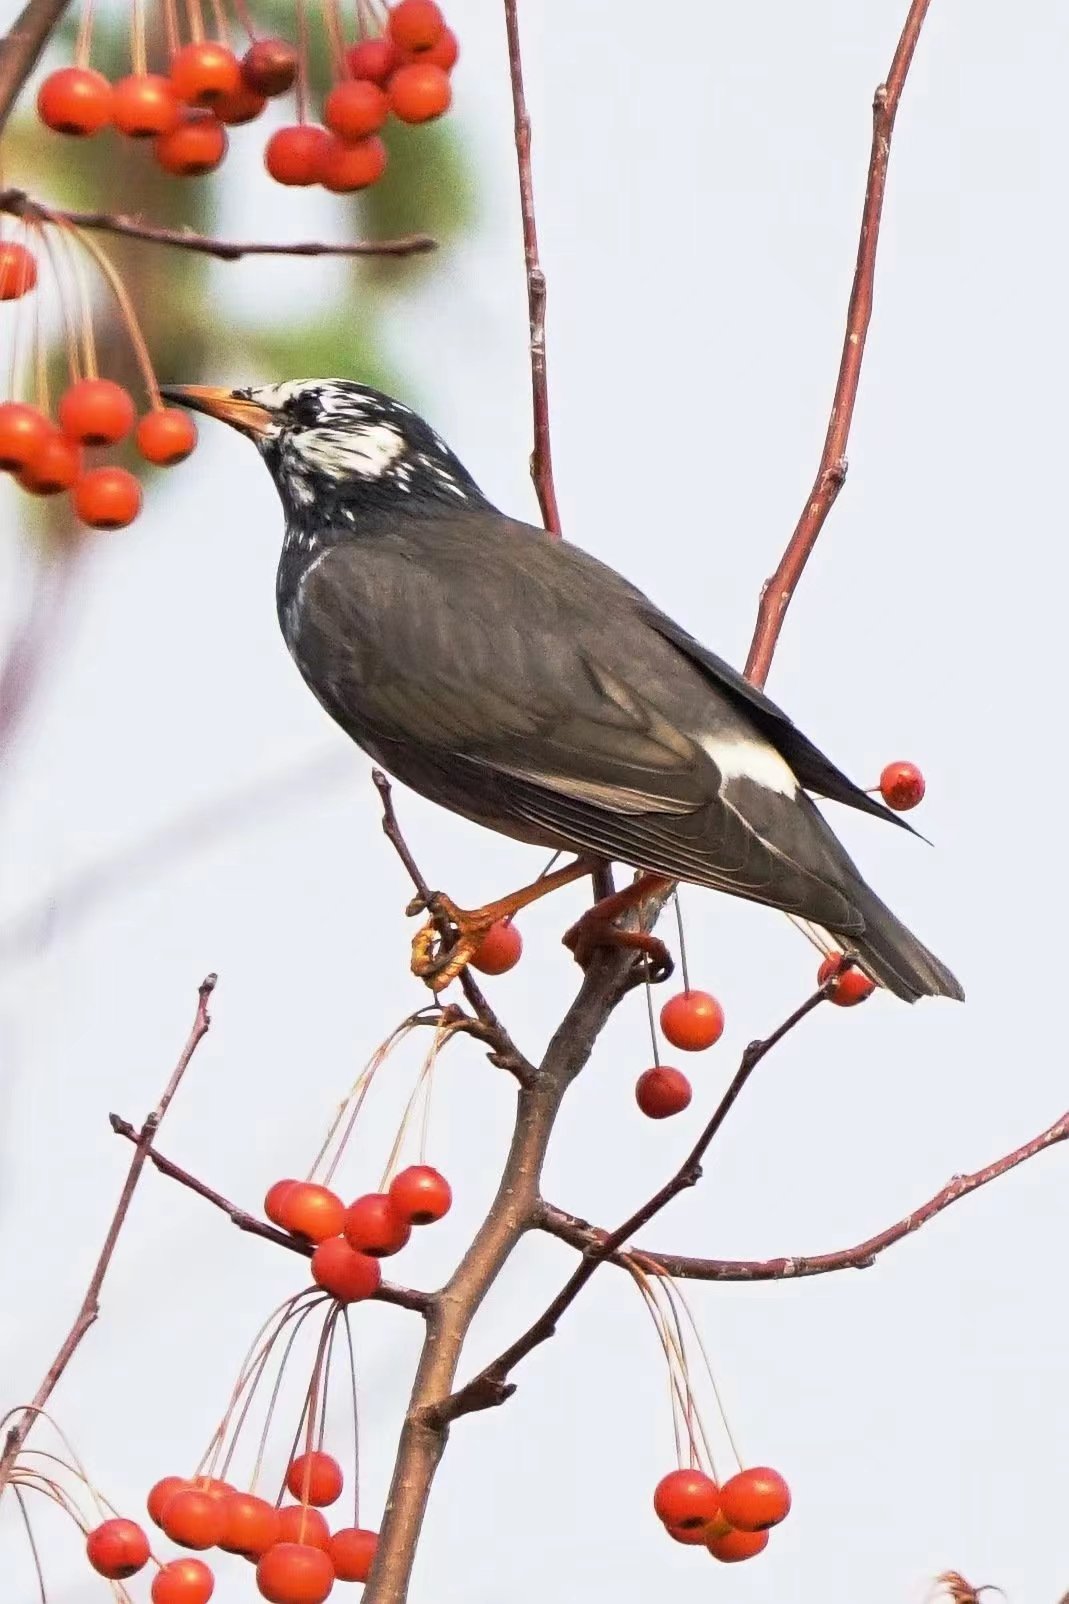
(598, 929)
(438, 956)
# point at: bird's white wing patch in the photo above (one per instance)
(754, 760)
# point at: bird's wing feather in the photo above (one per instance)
(563, 712)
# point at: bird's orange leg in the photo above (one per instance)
(598, 927)
(439, 965)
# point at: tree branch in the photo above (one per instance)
(580, 1234)
(831, 474)
(20, 204)
(90, 1307)
(403, 1297)
(490, 1387)
(541, 455)
(21, 48)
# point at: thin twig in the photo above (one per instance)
(90, 1307)
(541, 455)
(505, 1054)
(831, 474)
(21, 48)
(491, 1386)
(403, 1297)
(21, 205)
(863, 1256)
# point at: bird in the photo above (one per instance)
(514, 679)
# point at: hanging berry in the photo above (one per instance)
(686, 1499)
(183, 1581)
(662, 1091)
(500, 949)
(755, 1499)
(732, 1546)
(204, 73)
(117, 1549)
(269, 67)
(107, 498)
(311, 1211)
(421, 1195)
(373, 1225)
(347, 1275)
(419, 92)
(315, 1478)
(145, 105)
(250, 1525)
(295, 1573)
(852, 984)
(75, 100)
(18, 270)
(165, 436)
(294, 155)
(902, 786)
(692, 1021)
(352, 1550)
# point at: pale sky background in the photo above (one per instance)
(699, 176)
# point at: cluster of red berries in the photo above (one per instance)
(351, 1241)
(731, 1521)
(297, 1556)
(209, 88)
(48, 457)
(691, 1021)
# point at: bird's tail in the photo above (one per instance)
(892, 955)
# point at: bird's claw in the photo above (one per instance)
(440, 955)
(592, 934)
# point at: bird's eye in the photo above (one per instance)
(304, 411)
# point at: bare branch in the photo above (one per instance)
(403, 1297)
(541, 455)
(587, 1237)
(831, 474)
(21, 205)
(90, 1307)
(21, 48)
(490, 1386)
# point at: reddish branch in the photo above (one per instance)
(21, 205)
(589, 1238)
(90, 1307)
(831, 474)
(403, 1297)
(541, 456)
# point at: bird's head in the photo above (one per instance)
(339, 451)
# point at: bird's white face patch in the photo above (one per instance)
(368, 452)
(754, 760)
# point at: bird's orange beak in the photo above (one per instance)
(248, 417)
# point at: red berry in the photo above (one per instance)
(269, 67)
(691, 1536)
(194, 1517)
(902, 786)
(96, 412)
(346, 167)
(295, 1573)
(355, 108)
(315, 1478)
(732, 1545)
(415, 24)
(144, 105)
(852, 986)
(347, 1275)
(444, 54)
(420, 91)
(312, 1211)
(351, 1551)
(755, 1499)
(243, 106)
(686, 1499)
(295, 155)
(161, 1492)
(196, 145)
(183, 1581)
(54, 466)
(275, 1200)
(107, 498)
(205, 73)
(499, 950)
(373, 59)
(166, 435)
(23, 432)
(250, 1525)
(18, 272)
(75, 100)
(298, 1523)
(692, 1021)
(117, 1549)
(373, 1225)
(661, 1092)
(420, 1194)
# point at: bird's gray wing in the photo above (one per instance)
(519, 685)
